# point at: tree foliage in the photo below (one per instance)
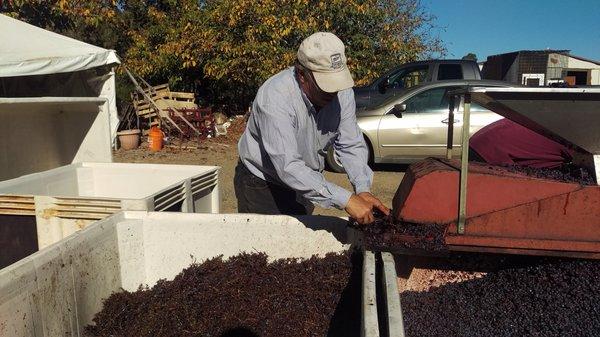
(470, 57)
(229, 47)
(246, 41)
(92, 21)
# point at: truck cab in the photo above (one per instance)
(411, 74)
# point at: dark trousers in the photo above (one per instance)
(255, 195)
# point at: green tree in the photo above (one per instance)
(243, 42)
(163, 49)
(90, 21)
(229, 47)
(470, 56)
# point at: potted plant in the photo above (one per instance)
(129, 139)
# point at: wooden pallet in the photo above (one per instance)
(162, 107)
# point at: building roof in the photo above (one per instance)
(566, 52)
(582, 58)
(545, 51)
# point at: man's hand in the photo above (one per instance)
(360, 209)
(374, 202)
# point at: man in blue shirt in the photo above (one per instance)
(295, 116)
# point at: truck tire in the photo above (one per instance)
(333, 161)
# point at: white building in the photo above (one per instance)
(541, 68)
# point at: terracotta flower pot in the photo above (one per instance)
(129, 139)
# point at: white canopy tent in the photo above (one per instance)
(38, 63)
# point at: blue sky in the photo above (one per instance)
(489, 27)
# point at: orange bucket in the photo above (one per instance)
(155, 139)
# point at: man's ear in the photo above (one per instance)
(301, 77)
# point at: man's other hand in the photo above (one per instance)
(360, 209)
(374, 202)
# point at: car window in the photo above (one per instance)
(428, 101)
(409, 77)
(477, 108)
(450, 72)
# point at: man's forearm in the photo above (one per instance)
(313, 185)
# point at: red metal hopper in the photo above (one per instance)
(510, 212)
(506, 212)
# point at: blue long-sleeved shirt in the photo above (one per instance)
(285, 141)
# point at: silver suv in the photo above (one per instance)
(413, 124)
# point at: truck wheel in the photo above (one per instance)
(333, 161)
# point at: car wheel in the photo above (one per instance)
(333, 161)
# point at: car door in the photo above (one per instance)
(420, 131)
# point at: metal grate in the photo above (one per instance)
(169, 197)
(204, 182)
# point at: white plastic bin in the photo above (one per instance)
(58, 290)
(42, 133)
(63, 144)
(60, 201)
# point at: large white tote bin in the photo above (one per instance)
(64, 145)
(58, 290)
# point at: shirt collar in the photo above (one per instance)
(309, 106)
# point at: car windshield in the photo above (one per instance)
(379, 101)
(382, 101)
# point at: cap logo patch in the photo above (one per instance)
(336, 61)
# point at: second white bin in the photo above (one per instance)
(55, 203)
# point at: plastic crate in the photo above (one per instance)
(60, 201)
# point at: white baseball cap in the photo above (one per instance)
(323, 53)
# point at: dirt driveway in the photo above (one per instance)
(222, 151)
